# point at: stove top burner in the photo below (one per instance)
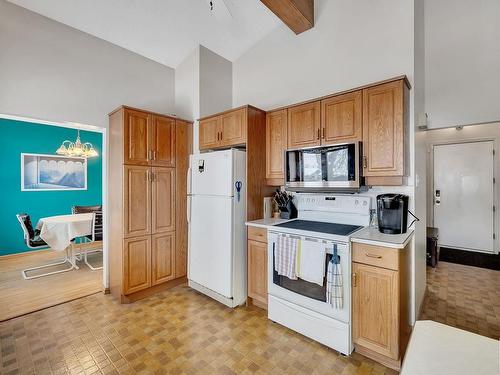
(320, 226)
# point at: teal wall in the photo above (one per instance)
(18, 137)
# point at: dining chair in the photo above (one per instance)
(33, 241)
(97, 229)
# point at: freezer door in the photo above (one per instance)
(212, 173)
(210, 243)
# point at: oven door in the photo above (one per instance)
(306, 294)
(327, 168)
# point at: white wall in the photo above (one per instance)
(352, 43)
(53, 72)
(462, 60)
(216, 83)
(420, 243)
(203, 87)
(187, 91)
(467, 134)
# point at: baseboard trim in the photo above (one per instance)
(229, 302)
(394, 364)
(153, 290)
(256, 303)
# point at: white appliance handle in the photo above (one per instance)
(188, 209)
(189, 180)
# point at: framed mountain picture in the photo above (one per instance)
(41, 172)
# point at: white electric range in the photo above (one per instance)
(300, 305)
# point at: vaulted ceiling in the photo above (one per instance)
(165, 31)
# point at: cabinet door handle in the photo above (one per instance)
(221, 135)
(318, 134)
(154, 155)
(354, 280)
(373, 256)
(365, 162)
(150, 154)
(148, 175)
(324, 131)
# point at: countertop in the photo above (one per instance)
(436, 349)
(367, 235)
(265, 223)
(372, 236)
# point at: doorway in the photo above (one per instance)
(26, 286)
(464, 195)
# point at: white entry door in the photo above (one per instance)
(464, 195)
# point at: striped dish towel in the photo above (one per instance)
(334, 285)
(285, 256)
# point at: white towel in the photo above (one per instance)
(285, 256)
(334, 286)
(311, 261)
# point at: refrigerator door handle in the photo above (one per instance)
(188, 209)
(189, 180)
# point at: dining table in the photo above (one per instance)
(60, 231)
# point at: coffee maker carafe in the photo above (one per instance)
(392, 213)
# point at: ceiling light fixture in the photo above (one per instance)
(77, 148)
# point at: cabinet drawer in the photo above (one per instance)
(378, 256)
(257, 234)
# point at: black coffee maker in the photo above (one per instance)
(392, 213)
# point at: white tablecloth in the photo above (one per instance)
(438, 349)
(58, 231)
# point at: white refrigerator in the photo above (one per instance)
(216, 219)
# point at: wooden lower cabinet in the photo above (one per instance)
(375, 305)
(162, 258)
(257, 266)
(136, 264)
(257, 271)
(380, 322)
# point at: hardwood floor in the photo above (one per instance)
(19, 296)
(178, 331)
(464, 297)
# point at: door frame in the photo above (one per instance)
(104, 156)
(430, 177)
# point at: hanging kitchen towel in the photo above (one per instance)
(334, 284)
(285, 256)
(311, 261)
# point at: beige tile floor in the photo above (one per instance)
(183, 332)
(175, 332)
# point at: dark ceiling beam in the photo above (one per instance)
(298, 15)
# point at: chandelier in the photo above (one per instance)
(77, 148)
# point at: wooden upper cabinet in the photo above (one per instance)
(383, 129)
(163, 141)
(137, 201)
(341, 118)
(136, 264)
(276, 144)
(162, 258)
(209, 133)
(304, 125)
(163, 199)
(375, 317)
(137, 137)
(233, 128)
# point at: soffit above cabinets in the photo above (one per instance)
(165, 31)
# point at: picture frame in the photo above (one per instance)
(43, 172)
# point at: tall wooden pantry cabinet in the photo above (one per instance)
(147, 172)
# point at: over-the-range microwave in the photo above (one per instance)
(325, 169)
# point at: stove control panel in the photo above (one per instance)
(355, 204)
